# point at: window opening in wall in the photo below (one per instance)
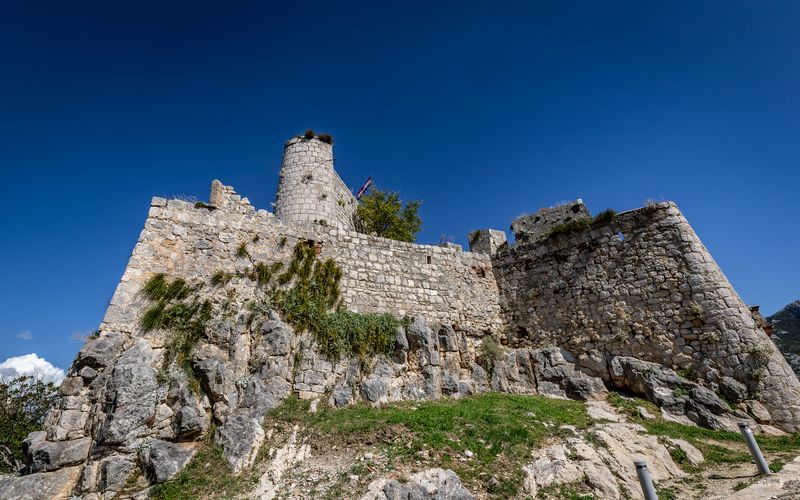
(621, 236)
(428, 259)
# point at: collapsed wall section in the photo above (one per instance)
(444, 285)
(642, 285)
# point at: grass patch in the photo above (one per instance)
(716, 446)
(242, 251)
(178, 310)
(220, 278)
(568, 491)
(208, 475)
(569, 227)
(494, 426)
(605, 217)
(777, 465)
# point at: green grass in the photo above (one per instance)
(242, 252)
(496, 427)
(208, 475)
(569, 491)
(713, 444)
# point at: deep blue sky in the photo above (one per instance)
(482, 110)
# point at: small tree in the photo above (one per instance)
(23, 405)
(382, 214)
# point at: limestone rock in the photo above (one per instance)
(428, 484)
(100, 352)
(374, 389)
(114, 472)
(556, 376)
(44, 485)
(134, 388)
(277, 336)
(605, 468)
(163, 460)
(758, 411)
(674, 394)
(240, 437)
(45, 456)
(584, 465)
(217, 376)
(732, 389)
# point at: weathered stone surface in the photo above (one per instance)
(163, 460)
(487, 241)
(604, 465)
(134, 388)
(536, 227)
(44, 485)
(556, 375)
(277, 337)
(374, 389)
(101, 351)
(732, 389)
(217, 376)
(45, 456)
(672, 393)
(757, 410)
(428, 484)
(240, 438)
(114, 472)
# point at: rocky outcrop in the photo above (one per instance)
(46, 485)
(604, 463)
(428, 484)
(786, 333)
(140, 416)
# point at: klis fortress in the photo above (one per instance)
(196, 342)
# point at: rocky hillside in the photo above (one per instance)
(249, 373)
(786, 324)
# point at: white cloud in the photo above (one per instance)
(31, 365)
(25, 335)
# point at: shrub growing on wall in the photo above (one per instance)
(383, 214)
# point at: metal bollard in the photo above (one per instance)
(645, 480)
(755, 451)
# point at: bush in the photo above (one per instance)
(23, 405)
(178, 310)
(381, 213)
(313, 293)
(605, 216)
(491, 352)
(308, 134)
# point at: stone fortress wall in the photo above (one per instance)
(445, 285)
(641, 284)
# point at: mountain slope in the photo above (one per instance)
(787, 333)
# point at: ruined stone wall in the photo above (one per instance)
(444, 285)
(310, 190)
(643, 286)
